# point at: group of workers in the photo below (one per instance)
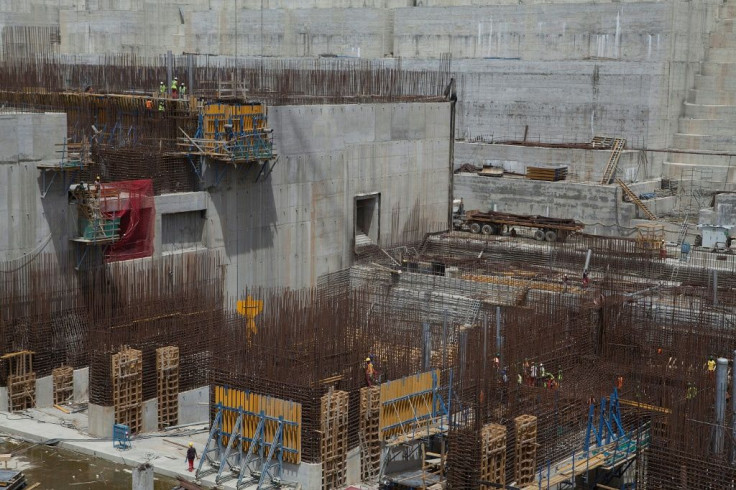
(533, 374)
(175, 91)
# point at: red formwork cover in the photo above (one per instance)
(131, 201)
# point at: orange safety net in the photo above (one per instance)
(132, 202)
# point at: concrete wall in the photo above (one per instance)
(101, 419)
(298, 224)
(31, 224)
(81, 385)
(194, 405)
(594, 205)
(150, 415)
(45, 392)
(583, 165)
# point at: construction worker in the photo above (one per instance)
(559, 375)
(565, 280)
(175, 88)
(711, 365)
(692, 391)
(542, 372)
(149, 105)
(371, 375)
(585, 279)
(191, 456)
(519, 379)
(162, 90)
(533, 375)
(619, 382)
(183, 90)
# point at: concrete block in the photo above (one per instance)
(181, 202)
(44, 392)
(101, 420)
(353, 466)
(194, 405)
(3, 399)
(150, 415)
(308, 474)
(81, 385)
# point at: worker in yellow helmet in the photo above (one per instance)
(371, 375)
(191, 456)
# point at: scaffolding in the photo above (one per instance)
(21, 381)
(127, 388)
(167, 376)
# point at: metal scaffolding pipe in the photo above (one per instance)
(721, 389)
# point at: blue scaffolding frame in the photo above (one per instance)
(229, 460)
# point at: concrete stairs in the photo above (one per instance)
(708, 122)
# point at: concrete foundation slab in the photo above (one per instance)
(44, 392)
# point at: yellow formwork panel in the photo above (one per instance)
(272, 407)
(403, 401)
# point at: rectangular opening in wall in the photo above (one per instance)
(181, 231)
(367, 219)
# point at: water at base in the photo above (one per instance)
(57, 469)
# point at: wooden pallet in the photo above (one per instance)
(493, 455)
(167, 377)
(21, 382)
(334, 439)
(127, 388)
(63, 378)
(550, 174)
(525, 449)
(370, 442)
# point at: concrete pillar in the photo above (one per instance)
(143, 477)
(721, 389)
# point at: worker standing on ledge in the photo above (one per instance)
(371, 375)
(183, 90)
(175, 88)
(191, 456)
(162, 90)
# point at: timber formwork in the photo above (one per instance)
(370, 442)
(63, 378)
(21, 381)
(167, 376)
(127, 388)
(525, 451)
(493, 455)
(334, 440)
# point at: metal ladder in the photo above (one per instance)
(636, 200)
(610, 170)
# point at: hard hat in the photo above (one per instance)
(191, 444)
(367, 359)
(162, 83)
(176, 78)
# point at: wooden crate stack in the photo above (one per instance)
(550, 174)
(63, 377)
(21, 380)
(334, 440)
(167, 375)
(493, 455)
(526, 449)
(127, 388)
(370, 442)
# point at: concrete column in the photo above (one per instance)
(721, 389)
(143, 477)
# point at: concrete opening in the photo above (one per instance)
(367, 218)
